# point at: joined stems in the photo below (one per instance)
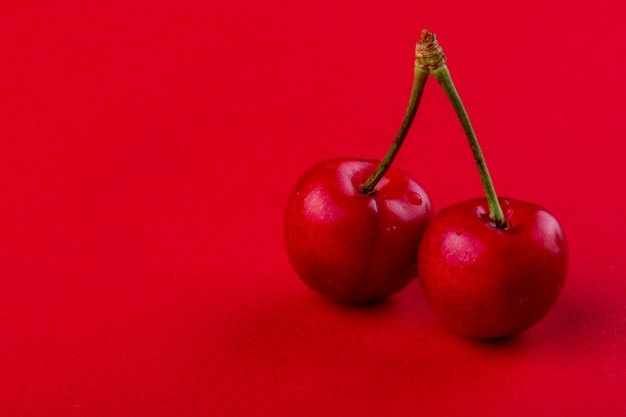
(430, 59)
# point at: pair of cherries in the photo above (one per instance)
(359, 231)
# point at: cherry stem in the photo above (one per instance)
(441, 73)
(419, 82)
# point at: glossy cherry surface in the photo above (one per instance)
(349, 246)
(486, 282)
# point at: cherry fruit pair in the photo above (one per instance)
(359, 231)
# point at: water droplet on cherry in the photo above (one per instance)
(415, 198)
(523, 301)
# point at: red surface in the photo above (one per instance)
(147, 152)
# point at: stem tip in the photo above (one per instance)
(428, 53)
(427, 36)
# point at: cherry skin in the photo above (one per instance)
(349, 246)
(486, 282)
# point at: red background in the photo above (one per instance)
(147, 152)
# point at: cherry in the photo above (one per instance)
(352, 226)
(350, 246)
(487, 282)
(489, 272)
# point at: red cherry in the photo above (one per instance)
(350, 246)
(487, 282)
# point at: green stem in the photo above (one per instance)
(442, 75)
(419, 82)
